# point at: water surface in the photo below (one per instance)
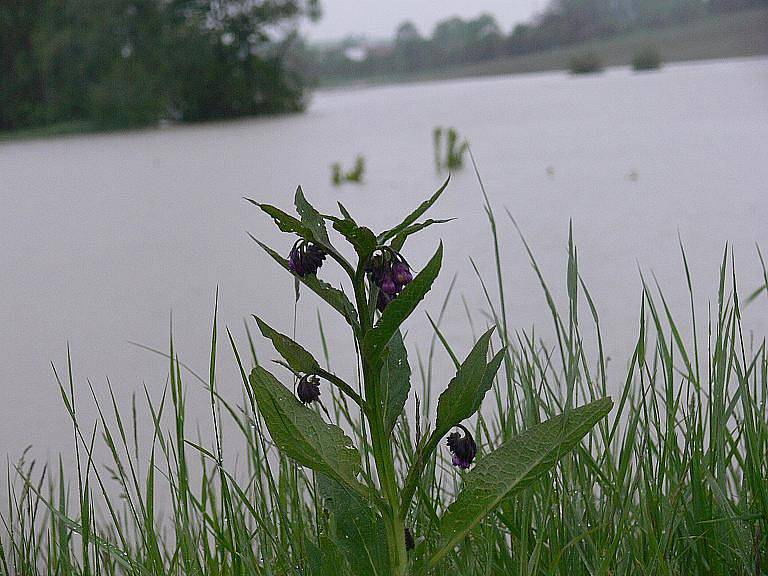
(103, 236)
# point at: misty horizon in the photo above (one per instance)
(343, 18)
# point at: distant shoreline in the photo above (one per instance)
(726, 36)
(740, 35)
(362, 85)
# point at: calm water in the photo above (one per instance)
(103, 236)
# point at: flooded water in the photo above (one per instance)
(103, 237)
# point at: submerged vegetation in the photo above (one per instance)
(354, 175)
(451, 156)
(672, 482)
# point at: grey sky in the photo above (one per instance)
(379, 18)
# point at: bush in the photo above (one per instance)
(649, 58)
(586, 63)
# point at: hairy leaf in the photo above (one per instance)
(401, 307)
(466, 390)
(345, 212)
(311, 219)
(298, 359)
(395, 380)
(302, 434)
(513, 466)
(324, 558)
(285, 222)
(361, 238)
(357, 528)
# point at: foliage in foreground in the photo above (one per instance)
(385, 294)
(672, 483)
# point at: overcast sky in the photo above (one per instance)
(379, 18)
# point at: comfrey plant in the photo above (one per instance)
(368, 507)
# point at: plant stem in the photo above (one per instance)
(382, 449)
(394, 525)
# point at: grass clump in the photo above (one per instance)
(673, 482)
(585, 63)
(649, 58)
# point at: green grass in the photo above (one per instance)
(736, 35)
(674, 482)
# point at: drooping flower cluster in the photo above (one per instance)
(463, 449)
(308, 389)
(389, 271)
(305, 258)
(410, 544)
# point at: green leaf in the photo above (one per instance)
(399, 240)
(358, 529)
(466, 390)
(311, 219)
(323, 558)
(511, 467)
(333, 296)
(413, 216)
(395, 380)
(400, 308)
(298, 359)
(345, 212)
(361, 238)
(285, 222)
(302, 434)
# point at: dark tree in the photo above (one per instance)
(135, 62)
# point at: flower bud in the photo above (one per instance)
(389, 271)
(401, 274)
(308, 389)
(409, 543)
(305, 258)
(463, 449)
(388, 285)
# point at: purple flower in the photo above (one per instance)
(389, 271)
(308, 389)
(463, 449)
(401, 274)
(388, 286)
(409, 543)
(305, 258)
(376, 268)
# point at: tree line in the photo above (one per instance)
(456, 41)
(135, 62)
